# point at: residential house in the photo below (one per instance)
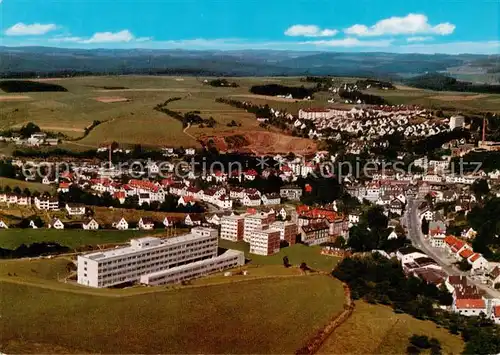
(169, 222)
(90, 225)
(193, 220)
(478, 263)
(271, 199)
(186, 200)
(121, 224)
(315, 233)
(455, 246)
(46, 203)
(494, 276)
(3, 225)
(75, 209)
(56, 224)
(120, 196)
(409, 254)
(251, 200)
(291, 192)
(146, 223)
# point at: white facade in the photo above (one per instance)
(253, 222)
(146, 256)
(457, 122)
(230, 259)
(231, 228)
(265, 242)
(91, 225)
(47, 203)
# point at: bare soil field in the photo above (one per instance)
(264, 142)
(458, 97)
(14, 97)
(108, 100)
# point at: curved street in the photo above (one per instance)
(411, 221)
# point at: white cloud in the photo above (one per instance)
(35, 29)
(110, 37)
(124, 36)
(350, 42)
(309, 31)
(419, 39)
(411, 24)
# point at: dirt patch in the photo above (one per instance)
(406, 88)
(108, 100)
(262, 142)
(264, 97)
(458, 97)
(14, 97)
(52, 128)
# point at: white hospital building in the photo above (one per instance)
(156, 261)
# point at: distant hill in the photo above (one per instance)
(44, 61)
(440, 82)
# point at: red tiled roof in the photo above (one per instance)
(470, 303)
(466, 253)
(251, 172)
(119, 194)
(475, 257)
(143, 184)
(496, 311)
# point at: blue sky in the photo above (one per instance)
(423, 26)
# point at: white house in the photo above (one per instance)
(90, 225)
(57, 224)
(122, 224)
(75, 209)
(478, 263)
(271, 199)
(3, 225)
(251, 200)
(146, 223)
(408, 254)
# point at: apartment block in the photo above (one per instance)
(265, 241)
(257, 221)
(151, 255)
(288, 231)
(47, 203)
(232, 227)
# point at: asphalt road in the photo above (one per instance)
(411, 220)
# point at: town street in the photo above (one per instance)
(411, 220)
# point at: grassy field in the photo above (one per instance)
(134, 121)
(231, 318)
(376, 329)
(32, 186)
(441, 100)
(297, 254)
(72, 238)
